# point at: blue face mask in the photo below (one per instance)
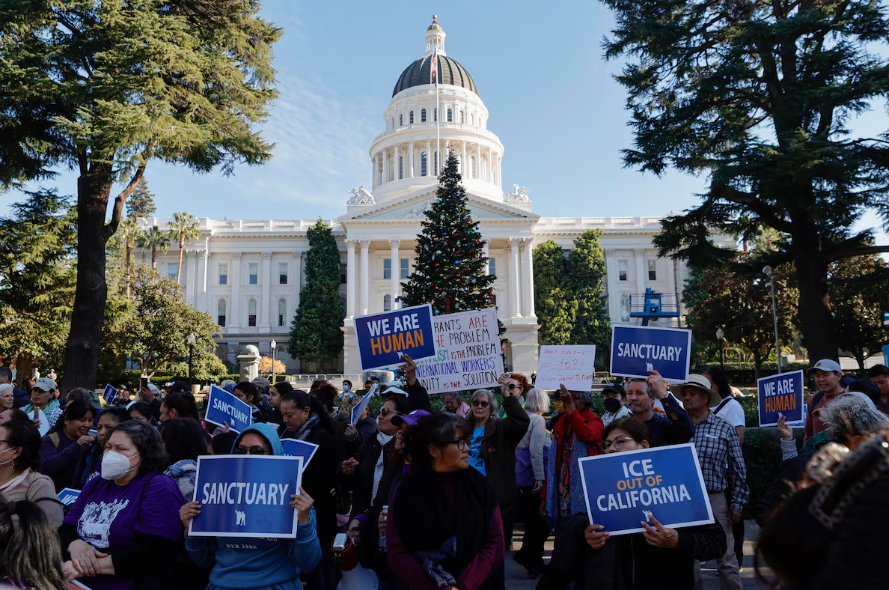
(346, 387)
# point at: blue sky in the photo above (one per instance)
(539, 70)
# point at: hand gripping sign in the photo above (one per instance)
(246, 496)
(383, 337)
(623, 489)
(635, 350)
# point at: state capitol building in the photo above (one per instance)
(247, 274)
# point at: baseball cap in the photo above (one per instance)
(616, 388)
(394, 387)
(45, 384)
(261, 382)
(411, 419)
(826, 365)
(698, 382)
(152, 387)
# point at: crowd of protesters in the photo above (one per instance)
(429, 499)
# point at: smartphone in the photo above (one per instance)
(143, 382)
(340, 542)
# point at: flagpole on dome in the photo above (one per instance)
(440, 164)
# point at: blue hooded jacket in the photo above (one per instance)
(260, 564)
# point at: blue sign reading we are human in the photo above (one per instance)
(383, 337)
(780, 395)
(635, 350)
(223, 407)
(623, 489)
(246, 496)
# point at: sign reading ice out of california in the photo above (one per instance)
(383, 337)
(780, 395)
(635, 350)
(623, 489)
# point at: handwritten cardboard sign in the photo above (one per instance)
(572, 365)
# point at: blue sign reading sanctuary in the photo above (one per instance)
(622, 489)
(637, 349)
(780, 395)
(383, 337)
(246, 496)
(225, 407)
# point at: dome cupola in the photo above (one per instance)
(449, 70)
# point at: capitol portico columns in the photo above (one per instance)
(395, 271)
(514, 273)
(385, 168)
(610, 276)
(350, 277)
(640, 270)
(410, 159)
(235, 324)
(486, 254)
(265, 299)
(428, 159)
(365, 276)
(298, 273)
(191, 278)
(527, 278)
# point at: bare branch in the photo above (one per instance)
(117, 212)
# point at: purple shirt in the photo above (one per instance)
(108, 515)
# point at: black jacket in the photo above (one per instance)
(498, 450)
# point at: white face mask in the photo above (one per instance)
(11, 460)
(116, 465)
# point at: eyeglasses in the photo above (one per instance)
(386, 411)
(511, 386)
(479, 403)
(353, 530)
(256, 450)
(616, 443)
(460, 443)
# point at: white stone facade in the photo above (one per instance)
(248, 273)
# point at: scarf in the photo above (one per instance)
(433, 563)
(303, 432)
(383, 439)
(430, 508)
(579, 450)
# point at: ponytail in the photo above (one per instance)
(29, 546)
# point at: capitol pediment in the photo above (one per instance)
(409, 209)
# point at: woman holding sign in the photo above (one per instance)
(660, 557)
(258, 564)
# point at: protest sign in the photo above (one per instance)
(358, 409)
(468, 352)
(43, 426)
(246, 496)
(383, 337)
(800, 423)
(622, 489)
(109, 394)
(635, 350)
(299, 448)
(222, 406)
(780, 395)
(68, 496)
(572, 366)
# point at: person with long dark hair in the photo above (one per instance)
(184, 441)
(179, 405)
(306, 418)
(444, 512)
(30, 556)
(20, 476)
(127, 514)
(251, 395)
(61, 449)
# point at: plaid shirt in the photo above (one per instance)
(719, 447)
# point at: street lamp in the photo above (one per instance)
(191, 341)
(720, 335)
(768, 272)
(274, 356)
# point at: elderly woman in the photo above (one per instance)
(7, 397)
(576, 434)
(492, 447)
(529, 462)
(453, 403)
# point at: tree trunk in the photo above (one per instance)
(816, 321)
(91, 294)
(860, 357)
(181, 251)
(128, 264)
(154, 256)
(757, 366)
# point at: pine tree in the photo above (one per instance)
(586, 281)
(315, 334)
(141, 202)
(450, 270)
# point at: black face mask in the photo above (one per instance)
(612, 404)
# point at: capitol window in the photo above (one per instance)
(405, 268)
(422, 115)
(387, 268)
(652, 270)
(282, 311)
(223, 274)
(434, 115)
(282, 273)
(411, 119)
(251, 312)
(471, 166)
(624, 307)
(400, 167)
(462, 117)
(622, 270)
(387, 303)
(173, 271)
(450, 116)
(423, 164)
(492, 267)
(253, 273)
(220, 313)
(400, 120)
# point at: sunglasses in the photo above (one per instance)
(255, 450)
(511, 386)
(387, 411)
(480, 404)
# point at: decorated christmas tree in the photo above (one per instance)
(450, 270)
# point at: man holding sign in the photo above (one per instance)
(266, 550)
(663, 555)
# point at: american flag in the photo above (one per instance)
(434, 69)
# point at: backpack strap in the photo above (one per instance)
(722, 404)
(54, 437)
(815, 400)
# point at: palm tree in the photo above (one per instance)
(129, 233)
(155, 239)
(183, 227)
